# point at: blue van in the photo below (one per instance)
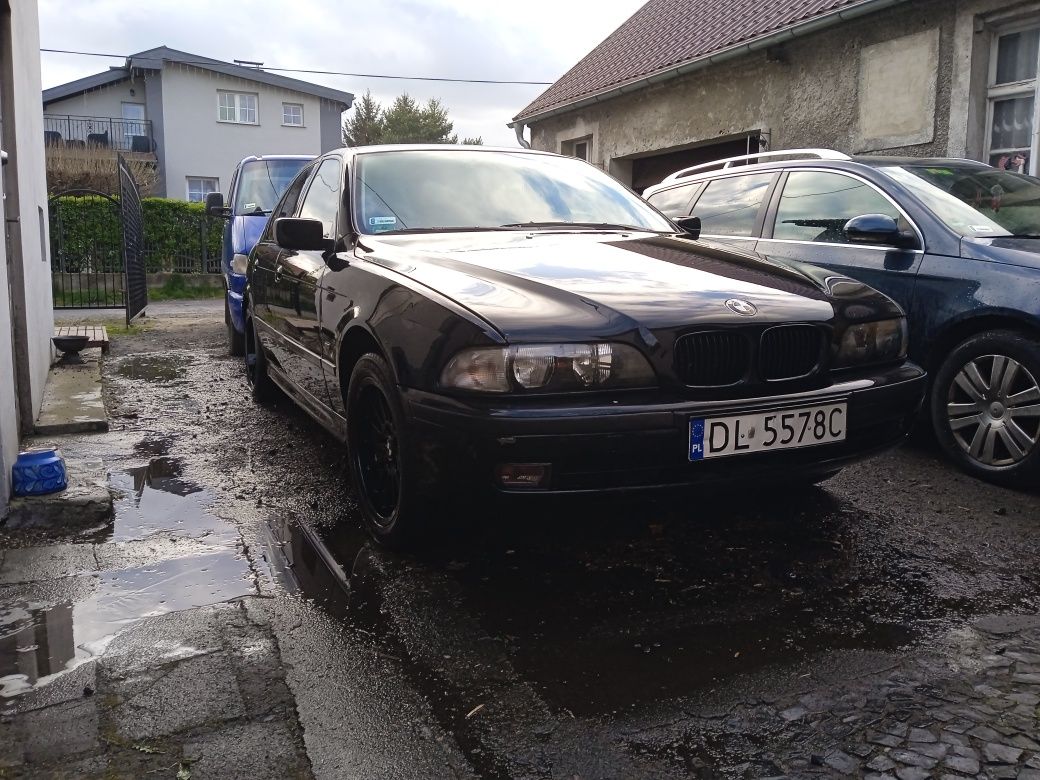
(256, 185)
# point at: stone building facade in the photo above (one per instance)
(905, 77)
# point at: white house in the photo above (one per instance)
(196, 116)
(26, 314)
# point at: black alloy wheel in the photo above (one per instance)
(377, 439)
(986, 407)
(259, 380)
(236, 340)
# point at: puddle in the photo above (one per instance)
(154, 368)
(602, 610)
(188, 558)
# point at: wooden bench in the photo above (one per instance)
(97, 334)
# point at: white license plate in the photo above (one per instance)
(782, 429)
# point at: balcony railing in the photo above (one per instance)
(98, 132)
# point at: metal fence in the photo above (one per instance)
(124, 135)
(132, 217)
(184, 243)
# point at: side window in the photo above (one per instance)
(815, 206)
(730, 206)
(675, 201)
(287, 206)
(322, 200)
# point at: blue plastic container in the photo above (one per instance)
(39, 471)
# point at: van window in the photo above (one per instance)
(261, 183)
(675, 201)
(816, 205)
(729, 207)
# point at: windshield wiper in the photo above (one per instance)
(582, 225)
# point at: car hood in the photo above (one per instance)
(553, 286)
(245, 232)
(1012, 251)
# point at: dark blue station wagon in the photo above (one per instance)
(955, 242)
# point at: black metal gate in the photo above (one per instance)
(97, 243)
(133, 243)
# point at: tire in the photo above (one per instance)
(236, 340)
(260, 383)
(381, 467)
(985, 407)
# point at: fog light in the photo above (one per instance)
(523, 475)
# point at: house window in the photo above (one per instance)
(237, 107)
(292, 114)
(580, 148)
(1012, 111)
(201, 186)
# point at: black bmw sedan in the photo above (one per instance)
(520, 321)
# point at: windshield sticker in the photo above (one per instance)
(379, 224)
(981, 228)
(250, 207)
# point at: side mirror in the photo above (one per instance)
(878, 230)
(215, 204)
(305, 235)
(691, 226)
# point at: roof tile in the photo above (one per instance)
(665, 34)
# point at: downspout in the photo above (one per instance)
(518, 127)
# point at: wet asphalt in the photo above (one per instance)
(638, 636)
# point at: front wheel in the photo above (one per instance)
(236, 340)
(986, 407)
(260, 383)
(380, 463)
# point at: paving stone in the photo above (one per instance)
(1000, 754)
(1001, 773)
(930, 749)
(254, 750)
(913, 773)
(922, 735)
(949, 738)
(1034, 762)
(1024, 742)
(897, 729)
(962, 764)
(1029, 699)
(842, 763)
(63, 730)
(1029, 774)
(966, 751)
(888, 740)
(794, 713)
(876, 776)
(196, 691)
(985, 733)
(881, 763)
(913, 759)
(1028, 679)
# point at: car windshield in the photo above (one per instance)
(262, 182)
(418, 190)
(975, 201)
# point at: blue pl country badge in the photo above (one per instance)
(696, 439)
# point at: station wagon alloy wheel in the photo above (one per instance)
(994, 410)
(985, 407)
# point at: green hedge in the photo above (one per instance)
(178, 236)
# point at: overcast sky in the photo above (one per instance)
(533, 40)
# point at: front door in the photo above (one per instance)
(295, 300)
(809, 223)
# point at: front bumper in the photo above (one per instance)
(621, 444)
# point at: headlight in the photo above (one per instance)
(872, 342)
(548, 368)
(239, 263)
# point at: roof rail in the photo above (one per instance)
(820, 154)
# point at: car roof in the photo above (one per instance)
(839, 162)
(256, 157)
(358, 150)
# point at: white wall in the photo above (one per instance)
(105, 101)
(197, 144)
(30, 317)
